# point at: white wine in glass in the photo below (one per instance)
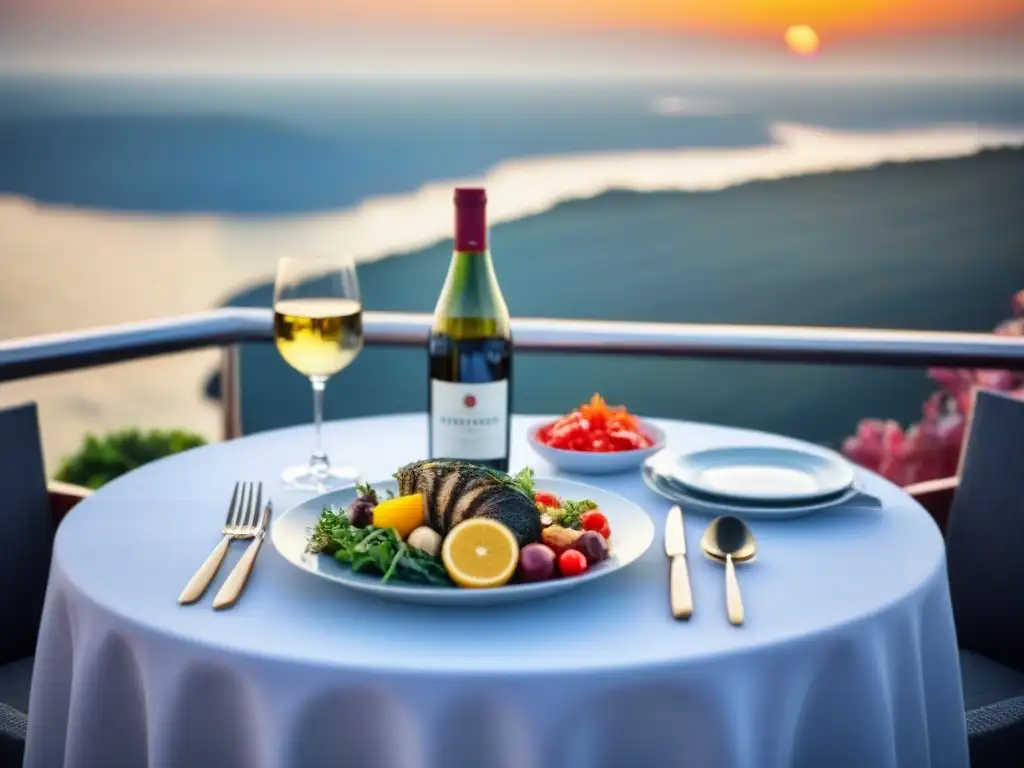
(318, 327)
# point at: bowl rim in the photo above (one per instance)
(654, 431)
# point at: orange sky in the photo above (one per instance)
(834, 18)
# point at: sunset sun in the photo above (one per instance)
(802, 40)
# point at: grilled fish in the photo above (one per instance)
(454, 491)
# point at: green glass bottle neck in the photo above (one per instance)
(471, 304)
(473, 269)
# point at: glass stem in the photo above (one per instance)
(318, 462)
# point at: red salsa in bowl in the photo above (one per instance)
(596, 427)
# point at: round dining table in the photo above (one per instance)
(848, 656)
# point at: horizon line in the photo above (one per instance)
(894, 73)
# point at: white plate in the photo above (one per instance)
(632, 534)
(762, 474)
(597, 463)
(703, 505)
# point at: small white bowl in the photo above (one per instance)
(594, 463)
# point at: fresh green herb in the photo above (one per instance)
(374, 550)
(402, 550)
(364, 490)
(570, 514)
(523, 480)
(574, 510)
(322, 538)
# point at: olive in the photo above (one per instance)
(536, 562)
(360, 512)
(592, 546)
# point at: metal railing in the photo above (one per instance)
(227, 328)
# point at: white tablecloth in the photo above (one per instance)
(848, 656)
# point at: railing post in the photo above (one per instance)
(231, 391)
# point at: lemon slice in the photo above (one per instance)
(403, 513)
(480, 553)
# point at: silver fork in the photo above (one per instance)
(242, 522)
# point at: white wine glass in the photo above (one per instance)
(318, 328)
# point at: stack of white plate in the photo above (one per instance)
(754, 482)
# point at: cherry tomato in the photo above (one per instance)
(572, 563)
(547, 499)
(606, 531)
(593, 520)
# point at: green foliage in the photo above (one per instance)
(571, 513)
(374, 550)
(101, 459)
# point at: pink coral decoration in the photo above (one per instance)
(930, 449)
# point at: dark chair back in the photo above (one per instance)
(26, 532)
(985, 533)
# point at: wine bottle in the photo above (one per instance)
(470, 349)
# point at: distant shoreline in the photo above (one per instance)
(1008, 151)
(520, 187)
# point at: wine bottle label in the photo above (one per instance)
(469, 421)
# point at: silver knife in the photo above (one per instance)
(232, 588)
(680, 596)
